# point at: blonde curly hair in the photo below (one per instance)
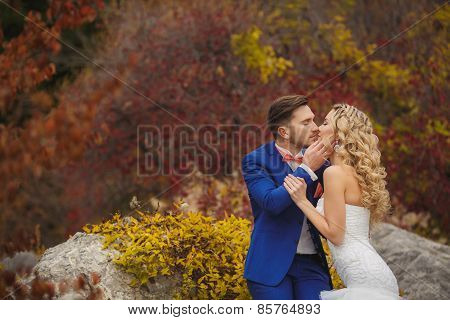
(358, 148)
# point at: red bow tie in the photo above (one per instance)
(287, 157)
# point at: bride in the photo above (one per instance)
(354, 199)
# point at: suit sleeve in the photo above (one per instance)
(262, 188)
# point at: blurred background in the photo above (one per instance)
(70, 108)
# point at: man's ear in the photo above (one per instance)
(283, 132)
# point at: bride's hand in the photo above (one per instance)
(296, 187)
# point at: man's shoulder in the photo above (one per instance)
(258, 152)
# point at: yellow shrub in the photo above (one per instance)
(208, 253)
(337, 282)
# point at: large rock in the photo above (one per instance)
(83, 254)
(422, 267)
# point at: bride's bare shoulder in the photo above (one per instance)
(334, 170)
(334, 174)
(342, 170)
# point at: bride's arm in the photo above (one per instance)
(332, 224)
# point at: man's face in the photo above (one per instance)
(302, 130)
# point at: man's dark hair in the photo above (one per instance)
(281, 110)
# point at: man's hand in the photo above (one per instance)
(316, 154)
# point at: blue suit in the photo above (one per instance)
(271, 258)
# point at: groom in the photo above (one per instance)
(285, 259)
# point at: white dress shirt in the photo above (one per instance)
(305, 244)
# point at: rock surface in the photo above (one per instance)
(83, 254)
(422, 267)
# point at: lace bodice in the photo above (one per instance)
(356, 260)
(356, 222)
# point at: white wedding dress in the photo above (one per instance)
(360, 267)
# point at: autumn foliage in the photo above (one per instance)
(68, 148)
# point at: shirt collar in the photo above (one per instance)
(284, 151)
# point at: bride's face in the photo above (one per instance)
(326, 133)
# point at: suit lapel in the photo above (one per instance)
(280, 169)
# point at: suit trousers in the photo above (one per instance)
(304, 280)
